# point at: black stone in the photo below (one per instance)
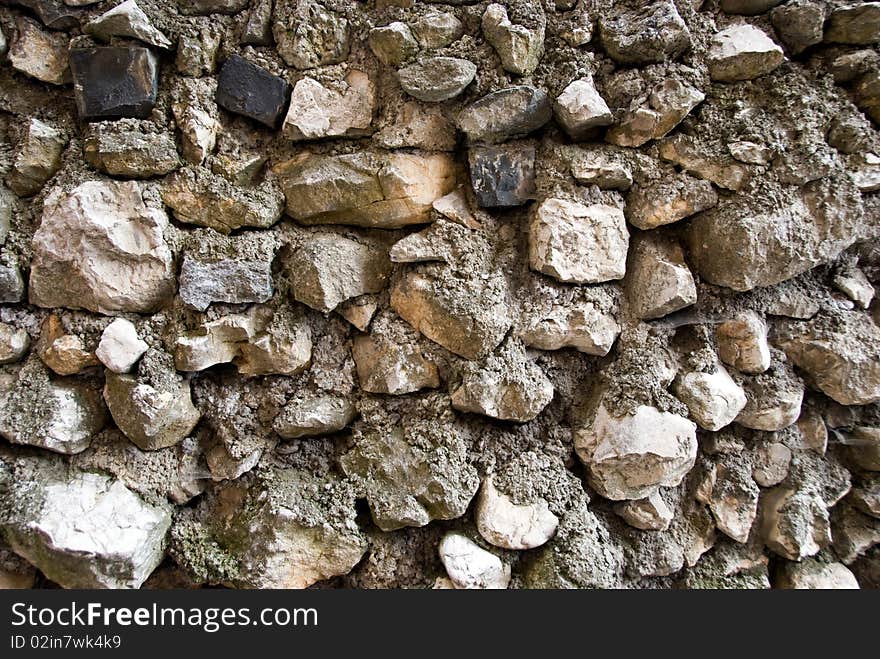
(54, 14)
(507, 113)
(112, 83)
(246, 89)
(502, 176)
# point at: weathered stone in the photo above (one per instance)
(742, 343)
(437, 79)
(799, 24)
(38, 54)
(854, 533)
(853, 283)
(389, 360)
(643, 34)
(774, 399)
(39, 157)
(54, 14)
(101, 247)
(713, 399)
(251, 91)
(812, 432)
(648, 514)
(771, 463)
(742, 52)
(506, 524)
(417, 126)
(841, 355)
(126, 20)
(629, 457)
(257, 31)
(732, 496)
(317, 111)
(393, 44)
(576, 243)
(506, 385)
(581, 324)
(120, 346)
(437, 29)
(658, 281)
(518, 47)
(668, 200)
(215, 342)
(505, 114)
(866, 496)
(7, 208)
(815, 574)
(64, 353)
(154, 415)
(196, 116)
(197, 196)
(111, 82)
(130, 149)
(281, 345)
(86, 530)
(359, 311)
(309, 34)
(311, 415)
(367, 188)
(865, 448)
(726, 173)
(14, 343)
(668, 103)
(601, 169)
(580, 108)
(794, 523)
(454, 207)
(197, 51)
(470, 566)
(234, 275)
(502, 176)
(857, 24)
(751, 153)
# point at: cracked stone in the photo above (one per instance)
(742, 343)
(112, 83)
(658, 281)
(667, 105)
(648, 514)
(310, 35)
(235, 277)
(713, 399)
(668, 200)
(130, 149)
(317, 111)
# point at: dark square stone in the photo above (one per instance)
(112, 83)
(251, 91)
(502, 176)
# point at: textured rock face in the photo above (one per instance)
(344, 110)
(112, 82)
(644, 33)
(101, 247)
(39, 54)
(38, 159)
(742, 52)
(509, 525)
(502, 176)
(505, 114)
(470, 566)
(251, 91)
(437, 79)
(713, 399)
(658, 280)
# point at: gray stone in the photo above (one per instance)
(502, 176)
(393, 44)
(748, 7)
(437, 79)
(644, 34)
(129, 148)
(235, 277)
(507, 113)
(14, 343)
(257, 31)
(197, 50)
(204, 7)
(311, 415)
(437, 29)
(799, 24)
(38, 158)
(668, 103)
(519, 47)
(126, 20)
(308, 34)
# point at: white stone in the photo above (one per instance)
(658, 280)
(648, 514)
(742, 52)
(580, 108)
(469, 566)
(853, 283)
(816, 575)
(742, 343)
(126, 20)
(317, 111)
(581, 325)
(506, 524)
(120, 346)
(713, 399)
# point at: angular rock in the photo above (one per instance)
(437, 29)
(13, 343)
(816, 575)
(502, 176)
(713, 399)
(771, 462)
(601, 169)
(505, 114)
(470, 566)
(200, 197)
(742, 52)
(668, 103)
(668, 200)
(648, 514)
(311, 415)
(732, 496)
(317, 111)
(853, 532)
(774, 399)
(417, 126)
(257, 31)
(251, 91)
(794, 523)
(101, 247)
(683, 151)
(506, 524)
(455, 208)
(38, 54)
(658, 281)
(308, 34)
(196, 116)
(858, 24)
(234, 276)
(581, 324)
(367, 188)
(629, 457)
(359, 311)
(120, 346)
(64, 353)
(519, 47)
(130, 149)
(799, 24)
(281, 345)
(126, 20)
(580, 108)
(393, 44)
(437, 79)
(86, 530)
(197, 50)
(112, 83)
(576, 243)
(644, 34)
(39, 157)
(215, 342)
(742, 343)
(864, 450)
(54, 14)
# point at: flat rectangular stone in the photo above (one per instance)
(251, 91)
(113, 83)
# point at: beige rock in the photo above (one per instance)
(669, 103)
(816, 575)
(64, 353)
(853, 283)
(215, 342)
(386, 366)
(742, 343)
(726, 173)
(732, 496)
(417, 126)
(771, 463)
(282, 345)
(120, 346)
(437, 29)
(601, 169)
(196, 116)
(648, 514)
(39, 157)
(576, 243)
(312, 415)
(126, 20)
(39, 54)
(581, 325)
(669, 200)
(750, 153)
(658, 280)
(742, 52)
(812, 431)
(359, 311)
(518, 47)
(794, 523)
(865, 447)
(774, 401)
(454, 207)
(508, 525)
(580, 108)
(14, 343)
(470, 566)
(393, 44)
(713, 399)
(317, 111)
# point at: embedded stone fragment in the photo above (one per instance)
(101, 247)
(774, 399)
(840, 354)
(684, 151)
(198, 196)
(11, 283)
(114, 82)
(54, 14)
(771, 463)
(195, 114)
(854, 533)
(85, 530)
(668, 200)
(281, 345)
(215, 342)
(285, 528)
(437, 29)
(644, 34)
(742, 343)
(251, 91)
(506, 385)
(858, 24)
(470, 566)
(39, 157)
(311, 415)
(120, 346)
(713, 399)
(864, 449)
(648, 514)
(576, 243)
(580, 108)
(732, 496)
(658, 281)
(815, 574)
(197, 50)
(502, 176)
(581, 324)
(437, 79)
(257, 31)
(455, 208)
(668, 103)
(506, 524)
(393, 44)
(328, 269)
(518, 47)
(154, 411)
(64, 353)
(359, 311)
(630, 456)
(505, 114)
(234, 276)
(866, 496)
(38, 54)
(318, 111)
(126, 20)
(389, 360)
(130, 149)
(600, 169)
(7, 207)
(367, 188)
(799, 24)
(309, 34)
(794, 522)
(14, 343)
(742, 52)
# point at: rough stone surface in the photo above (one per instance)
(249, 90)
(437, 79)
(470, 566)
(112, 82)
(343, 110)
(640, 33)
(505, 114)
(742, 52)
(502, 176)
(658, 280)
(39, 54)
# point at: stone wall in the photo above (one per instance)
(529, 294)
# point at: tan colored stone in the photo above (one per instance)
(742, 343)
(317, 111)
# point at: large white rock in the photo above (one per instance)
(580, 108)
(470, 566)
(658, 280)
(648, 514)
(506, 524)
(120, 346)
(317, 111)
(713, 399)
(742, 52)
(101, 247)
